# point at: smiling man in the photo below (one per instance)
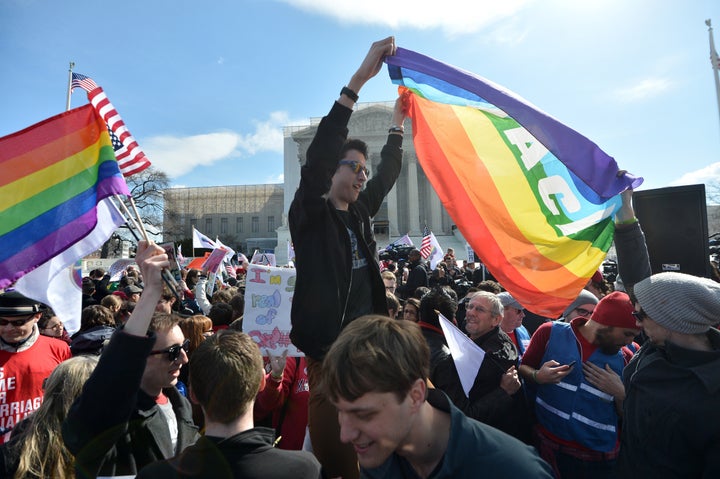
(338, 277)
(376, 375)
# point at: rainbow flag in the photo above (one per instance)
(54, 175)
(534, 198)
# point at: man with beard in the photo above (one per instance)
(577, 407)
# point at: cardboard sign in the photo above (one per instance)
(268, 298)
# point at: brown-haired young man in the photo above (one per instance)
(226, 374)
(129, 413)
(376, 375)
(338, 277)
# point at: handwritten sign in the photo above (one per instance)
(268, 299)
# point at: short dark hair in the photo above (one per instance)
(226, 371)
(437, 299)
(221, 314)
(375, 354)
(354, 144)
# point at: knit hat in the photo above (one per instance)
(615, 310)
(507, 300)
(13, 303)
(585, 297)
(680, 302)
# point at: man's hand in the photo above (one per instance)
(277, 363)
(606, 380)
(151, 259)
(372, 63)
(552, 372)
(509, 382)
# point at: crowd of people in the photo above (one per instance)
(626, 383)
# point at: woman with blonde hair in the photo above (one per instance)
(36, 448)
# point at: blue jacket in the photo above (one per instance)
(573, 409)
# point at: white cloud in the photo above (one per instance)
(644, 89)
(179, 155)
(276, 178)
(453, 16)
(709, 174)
(221, 60)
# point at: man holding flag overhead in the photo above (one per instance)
(338, 277)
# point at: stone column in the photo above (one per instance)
(413, 200)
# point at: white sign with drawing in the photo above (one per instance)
(268, 298)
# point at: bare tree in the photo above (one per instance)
(147, 189)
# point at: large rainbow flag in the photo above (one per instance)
(534, 198)
(54, 175)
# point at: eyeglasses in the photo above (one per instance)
(173, 352)
(54, 326)
(16, 322)
(356, 166)
(584, 312)
(639, 315)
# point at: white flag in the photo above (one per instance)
(436, 253)
(55, 282)
(202, 241)
(467, 355)
(230, 252)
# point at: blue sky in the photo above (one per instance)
(206, 87)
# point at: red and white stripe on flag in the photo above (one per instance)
(426, 246)
(131, 158)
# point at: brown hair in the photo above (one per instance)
(376, 354)
(226, 371)
(163, 322)
(96, 315)
(42, 451)
(194, 329)
(112, 300)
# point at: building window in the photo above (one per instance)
(208, 226)
(223, 225)
(238, 224)
(271, 224)
(255, 224)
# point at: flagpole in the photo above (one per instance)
(69, 88)
(714, 60)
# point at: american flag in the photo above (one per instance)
(82, 81)
(426, 245)
(131, 159)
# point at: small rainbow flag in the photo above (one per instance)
(534, 198)
(54, 173)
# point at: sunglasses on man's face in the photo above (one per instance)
(639, 315)
(173, 352)
(16, 322)
(356, 166)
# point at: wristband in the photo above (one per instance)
(627, 222)
(349, 93)
(534, 377)
(397, 129)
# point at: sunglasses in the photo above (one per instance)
(173, 352)
(356, 166)
(16, 322)
(639, 315)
